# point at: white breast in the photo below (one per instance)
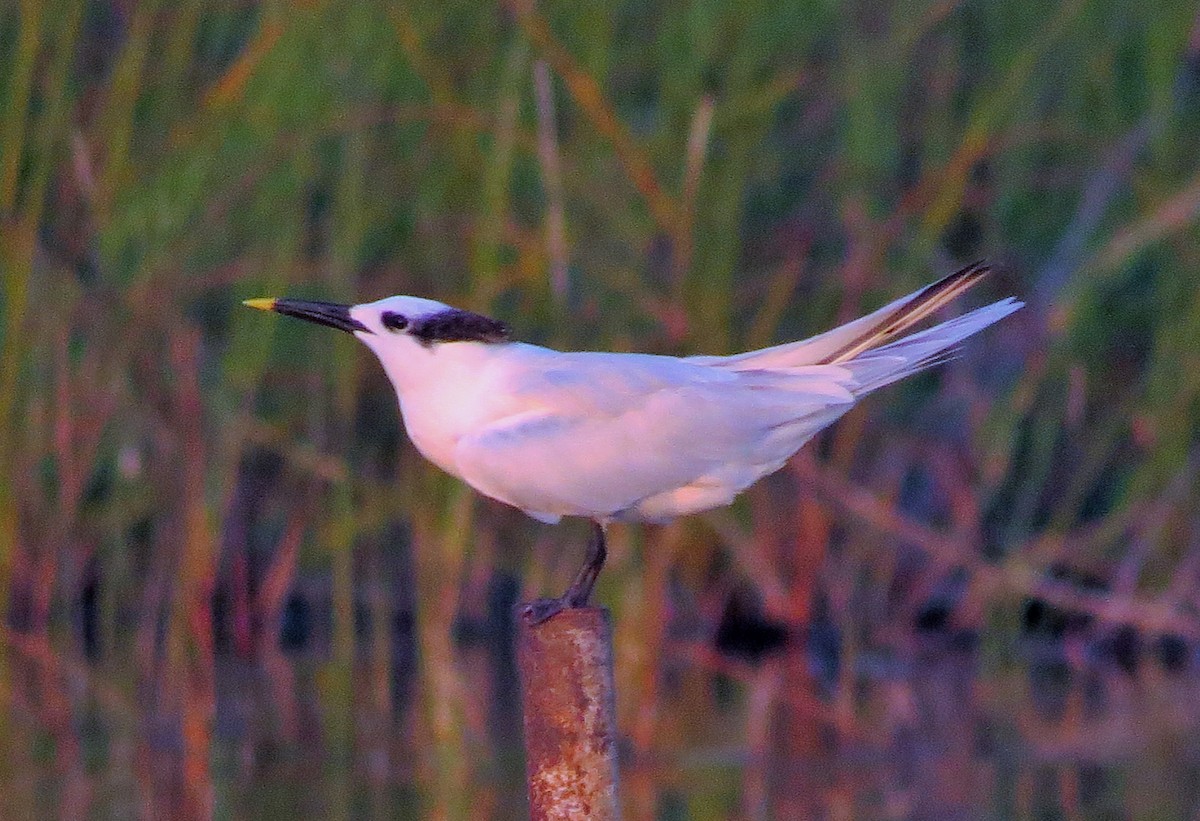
(445, 392)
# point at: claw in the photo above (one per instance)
(580, 591)
(539, 610)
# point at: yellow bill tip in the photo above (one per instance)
(262, 303)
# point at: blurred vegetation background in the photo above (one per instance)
(231, 588)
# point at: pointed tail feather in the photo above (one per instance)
(917, 307)
(916, 352)
(847, 341)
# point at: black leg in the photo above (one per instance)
(580, 591)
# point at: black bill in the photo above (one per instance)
(322, 313)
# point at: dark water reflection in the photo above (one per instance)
(1045, 733)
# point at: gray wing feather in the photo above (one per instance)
(597, 435)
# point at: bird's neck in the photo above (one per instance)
(439, 367)
(445, 391)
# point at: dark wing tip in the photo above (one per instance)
(918, 307)
(960, 280)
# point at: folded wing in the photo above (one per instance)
(600, 433)
(612, 436)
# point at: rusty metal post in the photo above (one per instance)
(567, 694)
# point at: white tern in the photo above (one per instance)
(628, 436)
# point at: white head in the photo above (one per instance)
(405, 332)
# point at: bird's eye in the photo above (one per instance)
(394, 321)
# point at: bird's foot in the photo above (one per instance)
(540, 610)
(580, 591)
